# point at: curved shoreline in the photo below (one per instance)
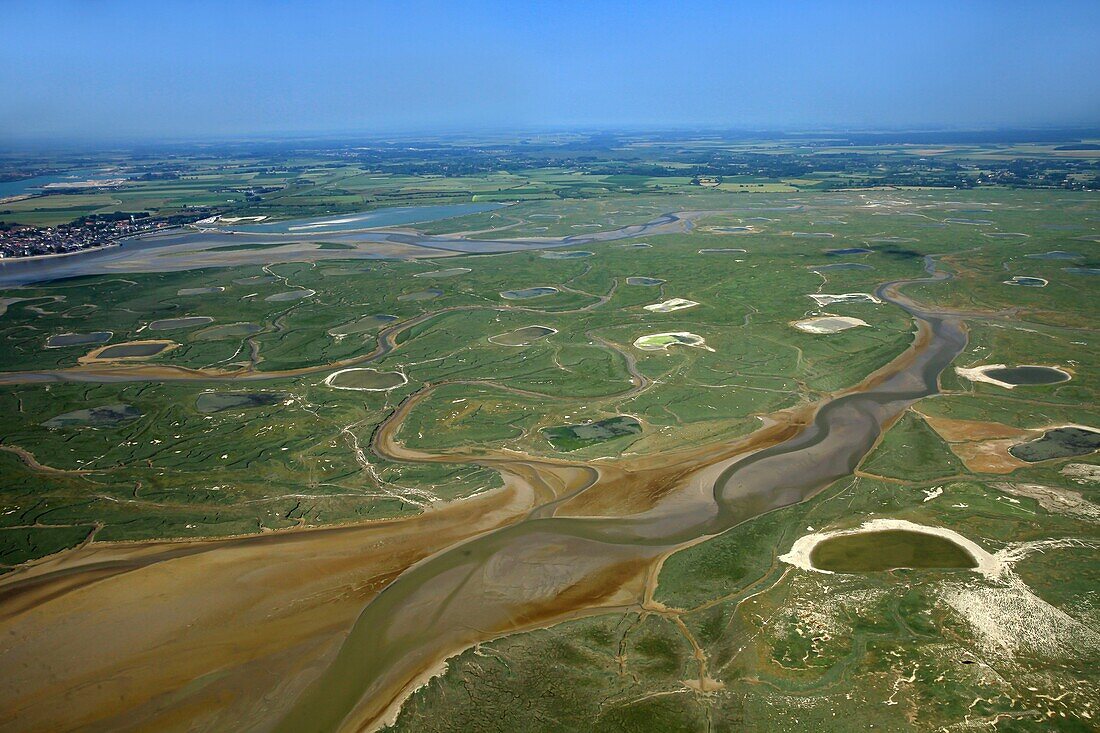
(801, 551)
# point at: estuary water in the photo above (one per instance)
(182, 249)
(33, 185)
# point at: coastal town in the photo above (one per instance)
(85, 233)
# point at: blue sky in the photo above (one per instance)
(119, 69)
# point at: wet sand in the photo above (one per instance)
(170, 635)
(188, 250)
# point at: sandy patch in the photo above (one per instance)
(93, 183)
(981, 446)
(93, 357)
(984, 446)
(1009, 621)
(824, 299)
(828, 324)
(550, 331)
(330, 378)
(959, 431)
(978, 374)
(450, 272)
(234, 219)
(663, 341)
(673, 304)
(1054, 499)
(989, 456)
(1028, 281)
(1081, 473)
(322, 224)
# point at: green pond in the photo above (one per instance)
(1058, 443)
(839, 266)
(289, 296)
(573, 437)
(449, 272)
(78, 339)
(848, 251)
(124, 351)
(211, 402)
(1027, 282)
(201, 291)
(889, 549)
(429, 294)
(522, 336)
(570, 255)
(103, 415)
(527, 293)
(169, 324)
(367, 379)
(227, 331)
(1028, 375)
(661, 341)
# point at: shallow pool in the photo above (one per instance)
(888, 549)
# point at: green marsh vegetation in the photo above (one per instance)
(571, 437)
(203, 458)
(179, 471)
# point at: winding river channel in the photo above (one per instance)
(518, 576)
(571, 540)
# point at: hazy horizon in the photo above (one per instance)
(125, 70)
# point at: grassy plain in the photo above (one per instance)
(299, 451)
(732, 636)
